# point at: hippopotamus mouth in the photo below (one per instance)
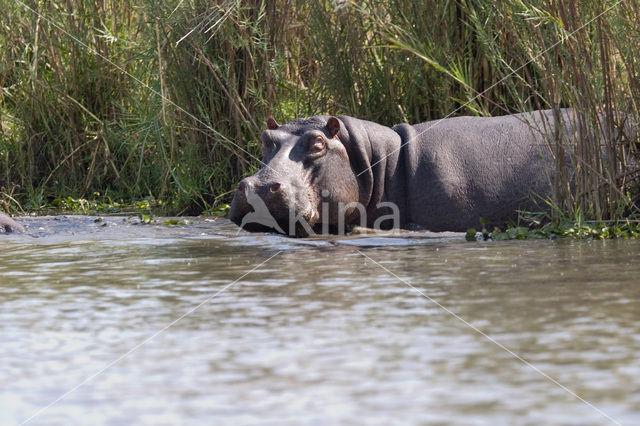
(261, 206)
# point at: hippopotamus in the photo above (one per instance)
(325, 173)
(9, 225)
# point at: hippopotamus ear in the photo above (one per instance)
(333, 126)
(272, 124)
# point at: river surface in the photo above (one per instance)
(115, 322)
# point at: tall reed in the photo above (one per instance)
(166, 99)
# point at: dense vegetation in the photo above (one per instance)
(163, 100)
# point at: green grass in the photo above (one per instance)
(148, 100)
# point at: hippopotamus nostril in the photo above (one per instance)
(275, 187)
(242, 186)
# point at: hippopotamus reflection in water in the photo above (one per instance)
(8, 225)
(323, 173)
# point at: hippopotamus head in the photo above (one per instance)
(306, 182)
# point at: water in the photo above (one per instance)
(149, 324)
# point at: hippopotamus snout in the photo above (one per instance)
(266, 191)
(262, 203)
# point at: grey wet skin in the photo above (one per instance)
(9, 224)
(443, 175)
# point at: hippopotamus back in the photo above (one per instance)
(463, 169)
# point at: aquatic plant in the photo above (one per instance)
(545, 226)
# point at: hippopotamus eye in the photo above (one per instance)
(317, 145)
(267, 144)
